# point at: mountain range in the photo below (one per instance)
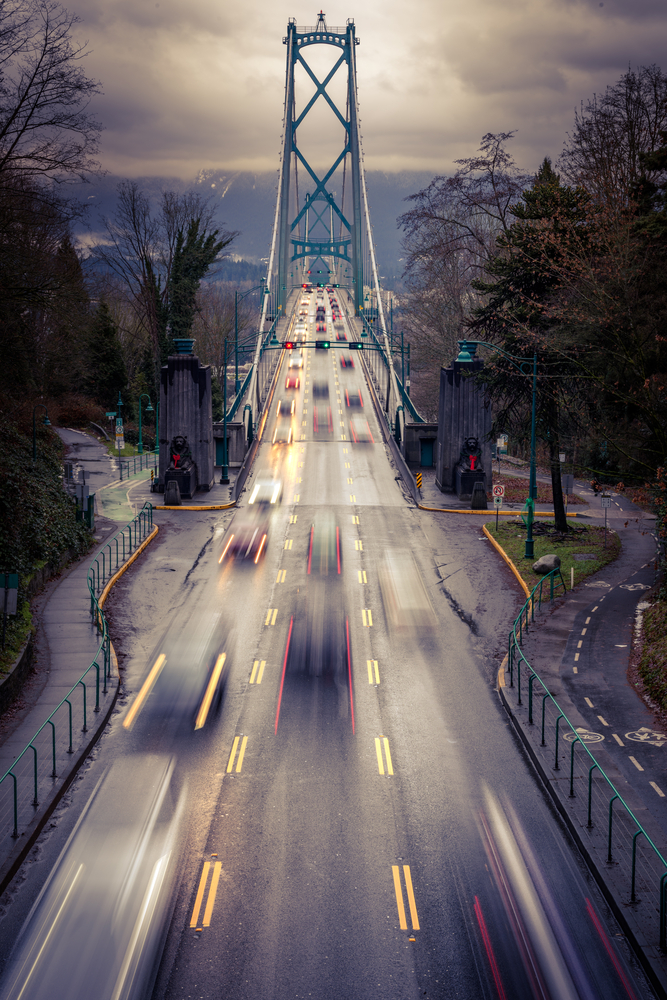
(245, 202)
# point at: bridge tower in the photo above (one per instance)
(322, 234)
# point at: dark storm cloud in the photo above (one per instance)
(194, 85)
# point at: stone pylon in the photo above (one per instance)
(185, 412)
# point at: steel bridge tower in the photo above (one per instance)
(318, 232)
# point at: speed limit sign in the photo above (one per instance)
(499, 491)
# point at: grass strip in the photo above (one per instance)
(511, 536)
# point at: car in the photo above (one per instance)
(296, 359)
(353, 399)
(99, 925)
(282, 433)
(292, 382)
(320, 390)
(185, 680)
(406, 601)
(360, 432)
(325, 554)
(346, 361)
(321, 328)
(247, 536)
(322, 419)
(268, 489)
(341, 335)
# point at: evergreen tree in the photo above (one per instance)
(105, 374)
(527, 273)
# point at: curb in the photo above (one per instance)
(486, 513)
(507, 559)
(213, 506)
(12, 864)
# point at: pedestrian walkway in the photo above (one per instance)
(67, 644)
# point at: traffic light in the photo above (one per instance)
(323, 344)
(355, 345)
(288, 345)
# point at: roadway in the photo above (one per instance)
(373, 830)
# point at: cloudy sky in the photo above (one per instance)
(198, 84)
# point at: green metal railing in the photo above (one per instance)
(38, 761)
(148, 460)
(593, 797)
(379, 347)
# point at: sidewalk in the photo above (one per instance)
(67, 644)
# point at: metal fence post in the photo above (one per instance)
(663, 934)
(35, 800)
(556, 766)
(85, 725)
(15, 831)
(544, 707)
(53, 748)
(574, 743)
(634, 865)
(69, 704)
(611, 818)
(97, 685)
(530, 699)
(590, 792)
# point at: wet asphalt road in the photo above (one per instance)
(378, 833)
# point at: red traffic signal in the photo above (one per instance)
(288, 345)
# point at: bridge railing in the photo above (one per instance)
(36, 767)
(591, 798)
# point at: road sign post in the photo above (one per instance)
(498, 501)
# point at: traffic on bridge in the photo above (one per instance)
(308, 786)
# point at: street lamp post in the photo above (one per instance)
(467, 349)
(46, 422)
(237, 299)
(149, 409)
(224, 471)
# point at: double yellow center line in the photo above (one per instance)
(212, 892)
(239, 763)
(402, 921)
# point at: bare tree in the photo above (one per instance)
(602, 153)
(141, 247)
(45, 127)
(450, 236)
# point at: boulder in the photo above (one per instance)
(546, 563)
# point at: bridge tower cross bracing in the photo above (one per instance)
(322, 211)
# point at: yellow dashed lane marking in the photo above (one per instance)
(362, 576)
(293, 518)
(271, 616)
(366, 617)
(373, 669)
(359, 545)
(281, 576)
(288, 543)
(355, 519)
(353, 498)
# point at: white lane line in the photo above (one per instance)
(589, 702)
(618, 740)
(637, 764)
(603, 721)
(656, 789)
(587, 620)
